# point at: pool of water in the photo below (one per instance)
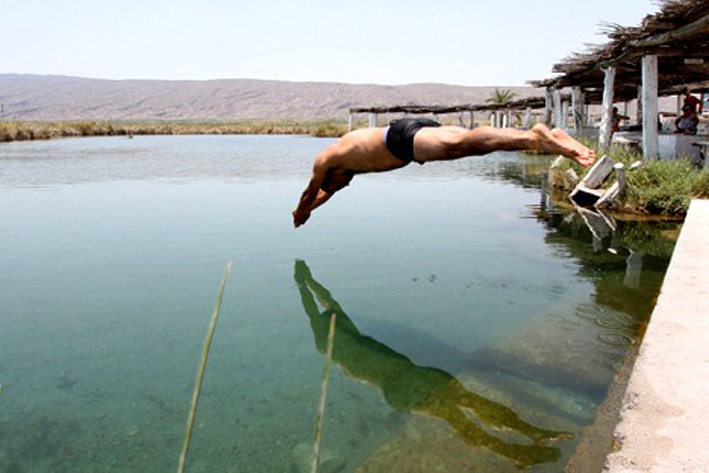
(479, 327)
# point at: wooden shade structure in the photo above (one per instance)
(678, 35)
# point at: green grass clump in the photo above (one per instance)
(661, 187)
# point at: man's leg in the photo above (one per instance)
(442, 143)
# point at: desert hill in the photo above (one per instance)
(40, 97)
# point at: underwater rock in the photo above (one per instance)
(302, 459)
(66, 382)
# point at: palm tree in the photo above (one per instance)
(501, 97)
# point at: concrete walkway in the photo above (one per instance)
(664, 423)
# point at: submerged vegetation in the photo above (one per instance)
(654, 188)
(20, 131)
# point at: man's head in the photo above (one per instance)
(685, 91)
(336, 180)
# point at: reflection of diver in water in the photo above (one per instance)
(408, 387)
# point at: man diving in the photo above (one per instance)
(421, 140)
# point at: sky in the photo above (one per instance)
(471, 42)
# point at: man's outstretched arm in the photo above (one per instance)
(309, 199)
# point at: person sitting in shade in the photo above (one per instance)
(692, 102)
(687, 122)
(615, 120)
(421, 140)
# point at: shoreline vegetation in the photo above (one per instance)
(657, 188)
(24, 131)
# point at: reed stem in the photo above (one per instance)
(200, 373)
(323, 396)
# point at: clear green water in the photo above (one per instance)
(473, 316)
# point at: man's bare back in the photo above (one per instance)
(384, 149)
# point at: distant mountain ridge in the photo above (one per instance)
(49, 98)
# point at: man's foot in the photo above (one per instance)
(559, 142)
(586, 157)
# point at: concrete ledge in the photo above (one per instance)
(664, 424)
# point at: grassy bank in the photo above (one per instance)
(655, 188)
(20, 131)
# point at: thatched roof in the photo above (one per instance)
(531, 102)
(678, 34)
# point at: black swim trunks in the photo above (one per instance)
(400, 136)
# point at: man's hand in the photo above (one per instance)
(300, 217)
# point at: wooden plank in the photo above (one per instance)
(608, 196)
(598, 173)
(616, 190)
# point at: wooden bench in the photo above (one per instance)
(628, 144)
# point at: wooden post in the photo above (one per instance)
(651, 139)
(577, 107)
(372, 120)
(565, 114)
(604, 138)
(617, 189)
(472, 119)
(527, 122)
(509, 117)
(633, 269)
(639, 114)
(557, 108)
(621, 179)
(492, 120)
(349, 123)
(679, 104)
(548, 107)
